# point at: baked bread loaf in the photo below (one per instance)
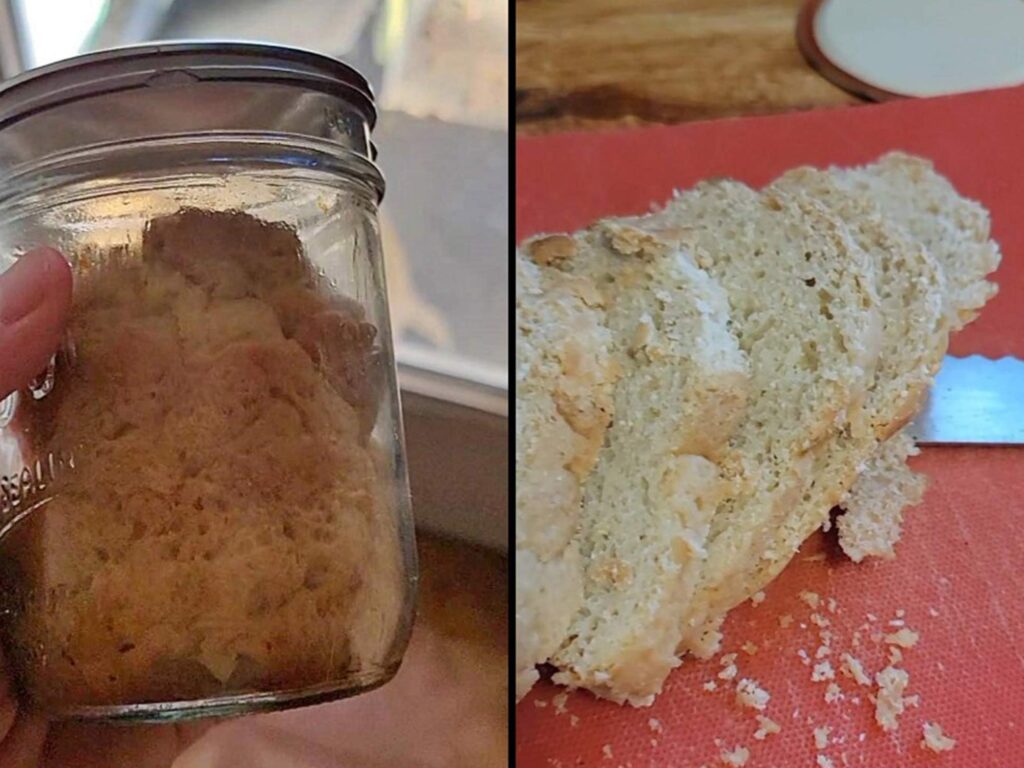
(648, 502)
(221, 521)
(803, 305)
(840, 289)
(564, 376)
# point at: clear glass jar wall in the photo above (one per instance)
(203, 502)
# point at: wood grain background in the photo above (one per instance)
(598, 63)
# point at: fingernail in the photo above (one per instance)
(25, 285)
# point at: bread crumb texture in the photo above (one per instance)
(904, 638)
(737, 757)
(821, 737)
(851, 666)
(890, 702)
(766, 727)
(935, 740)
(228, 524)
(750, 694)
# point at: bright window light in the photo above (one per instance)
(57, 29)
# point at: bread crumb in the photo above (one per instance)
(822, 652)
(852, 667)
(871, 617)
(559, 701)
(904, 638)
(749, 648)
(709, 642)
(896, 622)
(889, 704)
(737, 757)
(655, 725)
(811, 598)
(822, 671)
(710, 685)
(539, 703)
(815, 558)
(804, 657)
(821, 737)
(785, 620)
(766, 727)
(573, 720)
(933, 613)
(757, 598)
(729, 671)
(900, 613)
(832, 605)
(824, 762)
(819, 621)
(895, 655)
(935, 740)
(833, 693)
(750, 694)
(606, 750)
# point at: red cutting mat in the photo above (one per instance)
(959, 575)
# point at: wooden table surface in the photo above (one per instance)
(599, 63)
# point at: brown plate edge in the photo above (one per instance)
(828, 69)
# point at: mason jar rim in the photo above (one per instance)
(130, 66)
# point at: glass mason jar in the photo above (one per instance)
(203, 500)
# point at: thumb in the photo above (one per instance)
(35, 298)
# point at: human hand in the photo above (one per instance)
(35, 297)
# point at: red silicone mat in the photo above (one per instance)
(959, 574)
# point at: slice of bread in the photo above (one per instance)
(911, 287)
(911, 290)
(803, 306)
(564, 376)
(955, 232)
(952, 228)
(648, 502)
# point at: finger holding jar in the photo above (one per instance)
(35, 297)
